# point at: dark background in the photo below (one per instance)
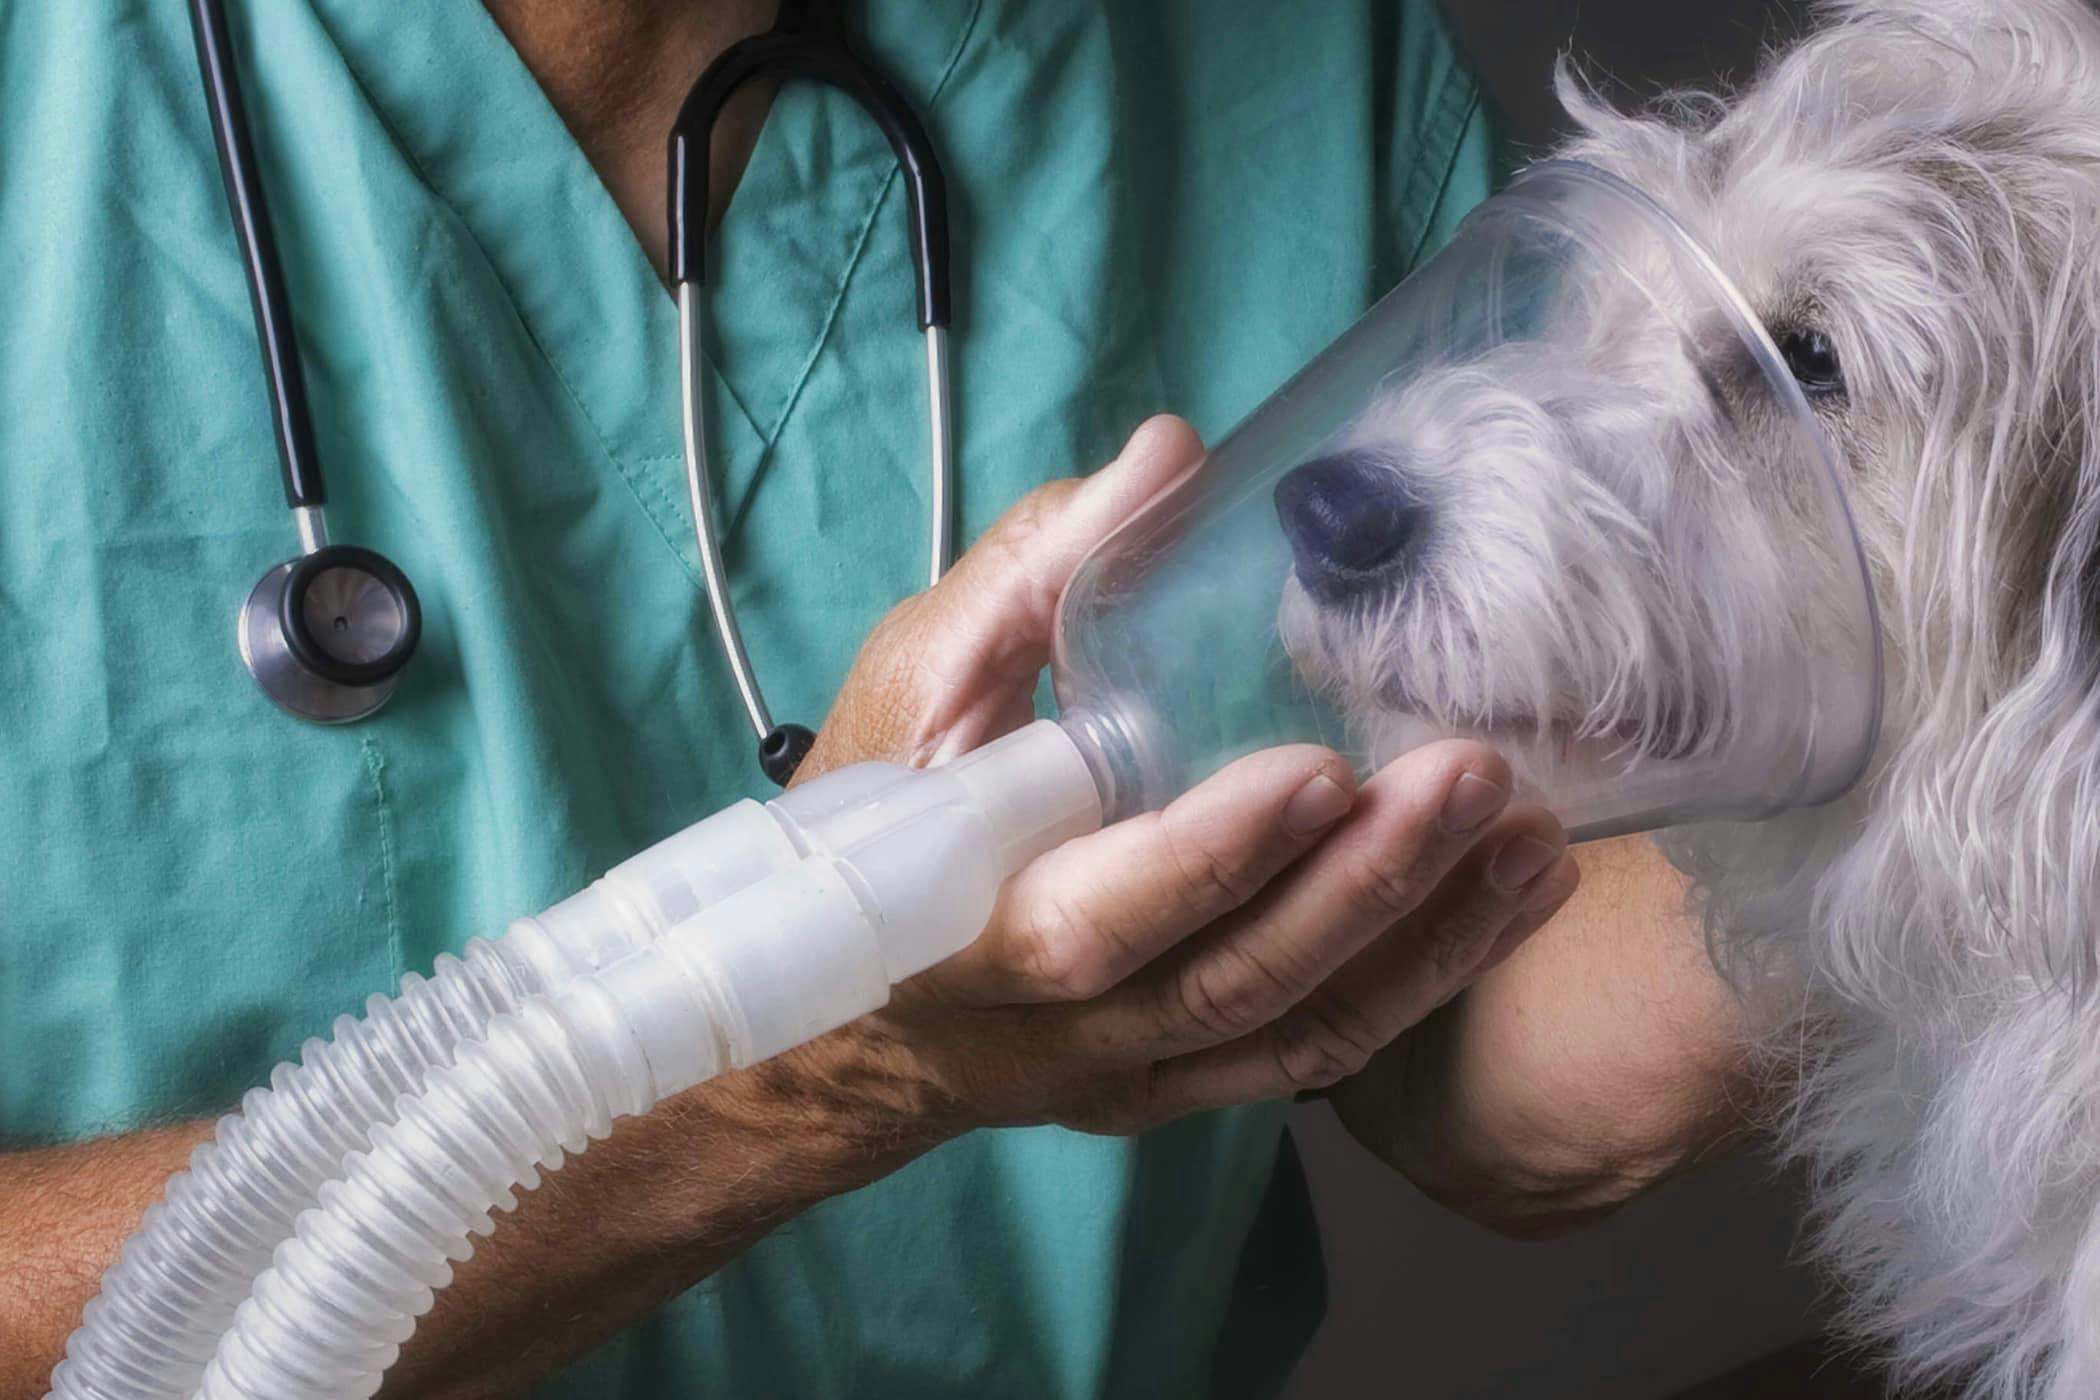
(1698, 1278)
(1640, 47)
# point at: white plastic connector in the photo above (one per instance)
(782, 962)
(1032, 788)
(641, 898)
(929, 884)
(1035, 789)
(706, 862)
(903, 869)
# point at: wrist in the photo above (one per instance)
(860, 1099)
(671, 1196)
(817, 1121)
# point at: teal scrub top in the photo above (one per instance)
(1161, 206)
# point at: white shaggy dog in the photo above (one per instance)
(1911, 200)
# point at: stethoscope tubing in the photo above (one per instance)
(276, 639)
(308, 678)
(806, 41)
(940, 436)
(298, 458)
(699, 490)
(707, 532)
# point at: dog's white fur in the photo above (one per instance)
(1920, 179)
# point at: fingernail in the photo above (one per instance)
(1519, 862)
(1315, 807)
(1471, 803)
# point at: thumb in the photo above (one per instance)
(1006, 589)
(957, 664)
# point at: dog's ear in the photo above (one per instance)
(2024, 786)
(1988, 807)
(1948, 915)
(1940, 927)
(1953, 1104)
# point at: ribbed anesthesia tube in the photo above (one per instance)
(293, 1256)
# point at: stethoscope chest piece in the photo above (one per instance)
(327, 634)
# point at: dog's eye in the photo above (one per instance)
(1814, 362)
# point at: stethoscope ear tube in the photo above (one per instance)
(297, 457)
(806, 41)
(781, 747)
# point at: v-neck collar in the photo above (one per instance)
(474, 123)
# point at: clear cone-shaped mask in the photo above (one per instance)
(1559, 492)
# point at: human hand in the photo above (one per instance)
(1605, 1056)
(1265, 933)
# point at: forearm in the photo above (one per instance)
(665, 1201)
(1605, 1055)
(63, 1212)
(668, 1199)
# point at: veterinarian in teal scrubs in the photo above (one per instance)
(1160, 206)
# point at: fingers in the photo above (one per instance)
(1412, 824)
(1086, 916)
(1476, 920)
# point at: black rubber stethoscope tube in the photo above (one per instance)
(299, 459)
(808, 40)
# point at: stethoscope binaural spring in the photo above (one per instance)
(326, 634)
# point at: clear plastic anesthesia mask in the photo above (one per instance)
(1558, 491)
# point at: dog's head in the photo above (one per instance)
(1910, 201)
(1589, 517)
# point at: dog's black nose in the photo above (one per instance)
(1349, 520)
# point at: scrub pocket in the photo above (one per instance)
(196, 881)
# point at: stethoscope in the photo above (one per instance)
(326, 634)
